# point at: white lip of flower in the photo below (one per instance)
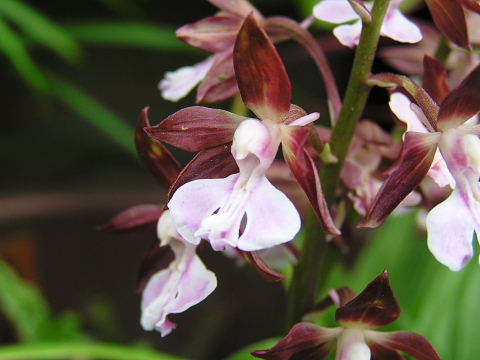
(351, 345)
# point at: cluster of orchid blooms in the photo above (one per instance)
(228, 196)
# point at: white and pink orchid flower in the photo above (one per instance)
(240, 207)
(443, 142)
(184, 283)
(356, 338)
(395, 26)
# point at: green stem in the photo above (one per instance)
(80, 350)
(318, 255)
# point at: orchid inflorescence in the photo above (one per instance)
(228, 197)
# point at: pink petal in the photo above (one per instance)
(271, 219)
(450, 232)
(196, 200)
(177, 84)
(184, 283)
(240, 8)
(348, 35)
(334, 11)
(401, 107)
(195, 285)
(166, 327)
(397, 27)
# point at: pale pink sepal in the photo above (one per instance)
(184, 283)
(334, 11)
(177, 84)
(349, 35)
(401, 107)
(450, 232)
(397, 27)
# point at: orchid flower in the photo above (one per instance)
(244, 210)
(452, 129)
(184, 283)
(215, 34)
(356, 338)
(395, 26)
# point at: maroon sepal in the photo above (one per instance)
(376, 306)
(435, 79)
(449, 17)
(213, 163)
(304, 341)
(219, 84)
(383, 353)
(237, 7)
(156, 259)
(133, 218)
(462, 103)
(261, 75)
(472, 5)
(419, 95)
(196, 128)
(306, 173)
(266, 272)
(409, 342)
(155, 156)
(213, 34)
(412, 166)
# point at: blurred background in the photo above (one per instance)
(75, 76)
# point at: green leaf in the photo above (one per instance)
(15, 50)
(134, 34)
(39, 28)
(95, 113)
(60, 350)
(22, 304)
(244, 354)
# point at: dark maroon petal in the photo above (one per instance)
(214, 34)
(305, 341)
(133, 218)
(409, 342)
(305, 171)
(414, 162)
(220, 83)
(462, 103)
(262, 268)
(383, 353)
(450, 20)
(213, 163)
(156, 259)
(421, 97)
(261, 75)
(155, 156)
(196, 128)
(435, 78)
(375, 306)
(472, 5)
(237, 7)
